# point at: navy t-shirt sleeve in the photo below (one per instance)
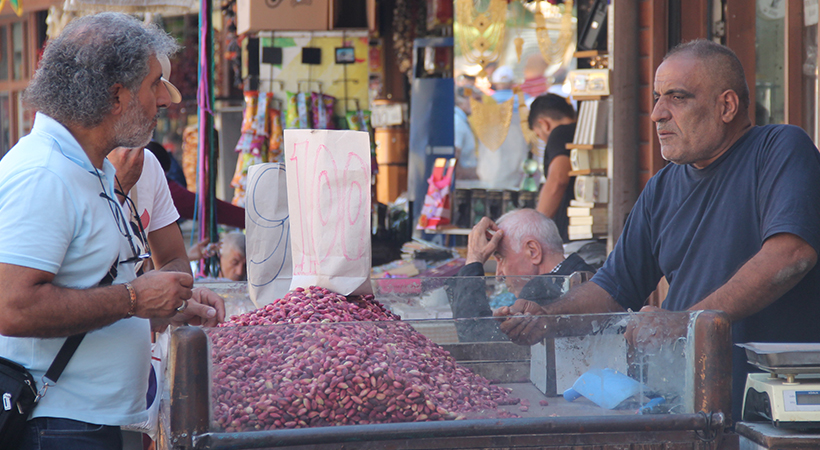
(789, 181)
(630, 276)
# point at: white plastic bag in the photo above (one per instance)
(159, 355)
(267, 229)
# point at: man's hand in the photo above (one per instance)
(522, 324)
(650, 332)
(128, 162)
(483, 241)
(160, 293)
(203, 250)
(205, 308)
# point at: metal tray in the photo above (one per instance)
(782, 355)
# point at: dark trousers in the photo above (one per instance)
(47, 433)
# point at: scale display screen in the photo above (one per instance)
(807, 397)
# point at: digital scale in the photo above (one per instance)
(788, 394)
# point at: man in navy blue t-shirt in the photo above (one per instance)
(733, 224)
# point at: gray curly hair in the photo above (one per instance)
(74, 81)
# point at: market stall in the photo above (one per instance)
(390, 383)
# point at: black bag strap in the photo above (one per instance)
(72, 342)
(63, 357)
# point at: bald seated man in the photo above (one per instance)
(526, 244)
(232, 257)
(733, 223)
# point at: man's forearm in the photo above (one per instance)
(780, 264)
(588, 298)
(549, 200)
(168, 250)
(58, 312)
(177, 265)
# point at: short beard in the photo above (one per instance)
(134, 129)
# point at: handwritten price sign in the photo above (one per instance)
(267, 232)
(328, 175)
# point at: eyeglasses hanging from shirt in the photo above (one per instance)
(128, 228)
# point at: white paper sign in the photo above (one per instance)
(267, 229)
(328, 176)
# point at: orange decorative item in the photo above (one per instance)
(436, 210)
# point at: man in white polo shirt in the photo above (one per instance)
(67, 255)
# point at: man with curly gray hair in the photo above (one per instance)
(67, 253)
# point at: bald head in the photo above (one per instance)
(232, 260)
(523, 224)
(720, 63)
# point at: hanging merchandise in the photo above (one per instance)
(276, 130)
(519, 47)
(530, 169)
(436, 209)
(291, 113)
(439, 14)
(519, 41)
(554, 51)
(296, 113)
(302, 120)
(260, 119)
(250, 110)
(16, 6)
(321, 109)
(409, 22)
(253, 143)
(481, 35)
(246, 131)
(524, 114)
(490, 120)
(359, 120)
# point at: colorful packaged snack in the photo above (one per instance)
(291, 111)
(276, 136)
(302, 111)
(250, 110)
(322, 110)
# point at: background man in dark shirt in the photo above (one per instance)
(553, 121)
(733, 224)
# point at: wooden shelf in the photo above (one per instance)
(575, 173)
(573, 145)
(583, 98)
(589, 53)
(452, 229)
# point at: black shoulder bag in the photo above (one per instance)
(20, 395)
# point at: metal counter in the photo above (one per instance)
(688, 363)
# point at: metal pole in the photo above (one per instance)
(460, 428)
(190, 388)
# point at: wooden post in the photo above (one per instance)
(623, 126)
(740, 37)
(793, 65)
(190, 390)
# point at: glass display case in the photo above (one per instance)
(308, 379)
